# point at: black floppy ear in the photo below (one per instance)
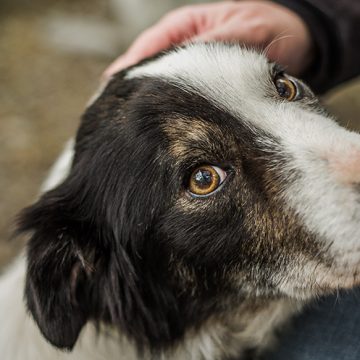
(57, 273)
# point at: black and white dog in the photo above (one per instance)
(206, 197)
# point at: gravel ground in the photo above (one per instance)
(43, 90)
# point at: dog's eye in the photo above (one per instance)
(286, 87)
(205, 179)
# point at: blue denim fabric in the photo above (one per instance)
(328, 330)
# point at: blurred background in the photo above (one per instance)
(52, 54)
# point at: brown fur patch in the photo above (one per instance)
(192, 136)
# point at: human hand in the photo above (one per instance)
(262, 24)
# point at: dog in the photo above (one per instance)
(207, 197)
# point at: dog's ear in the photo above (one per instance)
(84, 264)
(58, 268)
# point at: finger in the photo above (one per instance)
(171, 30)
(244, 35)
(213, 35)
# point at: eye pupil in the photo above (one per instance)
(203, 178)
(286, 88)
(282, 89)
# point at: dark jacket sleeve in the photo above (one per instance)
(335, 29)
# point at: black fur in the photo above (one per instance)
(112, 243)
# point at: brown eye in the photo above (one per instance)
(286, 88)
(206, 179)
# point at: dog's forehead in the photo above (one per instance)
(218, 69)
(239, 81)
(234, 79)
(227, 77)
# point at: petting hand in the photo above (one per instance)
(262, 24)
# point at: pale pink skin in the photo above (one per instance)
(263, 24)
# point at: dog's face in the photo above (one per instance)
(200, 178)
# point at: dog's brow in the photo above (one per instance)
(191, 135)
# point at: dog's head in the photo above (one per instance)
(200, 178)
